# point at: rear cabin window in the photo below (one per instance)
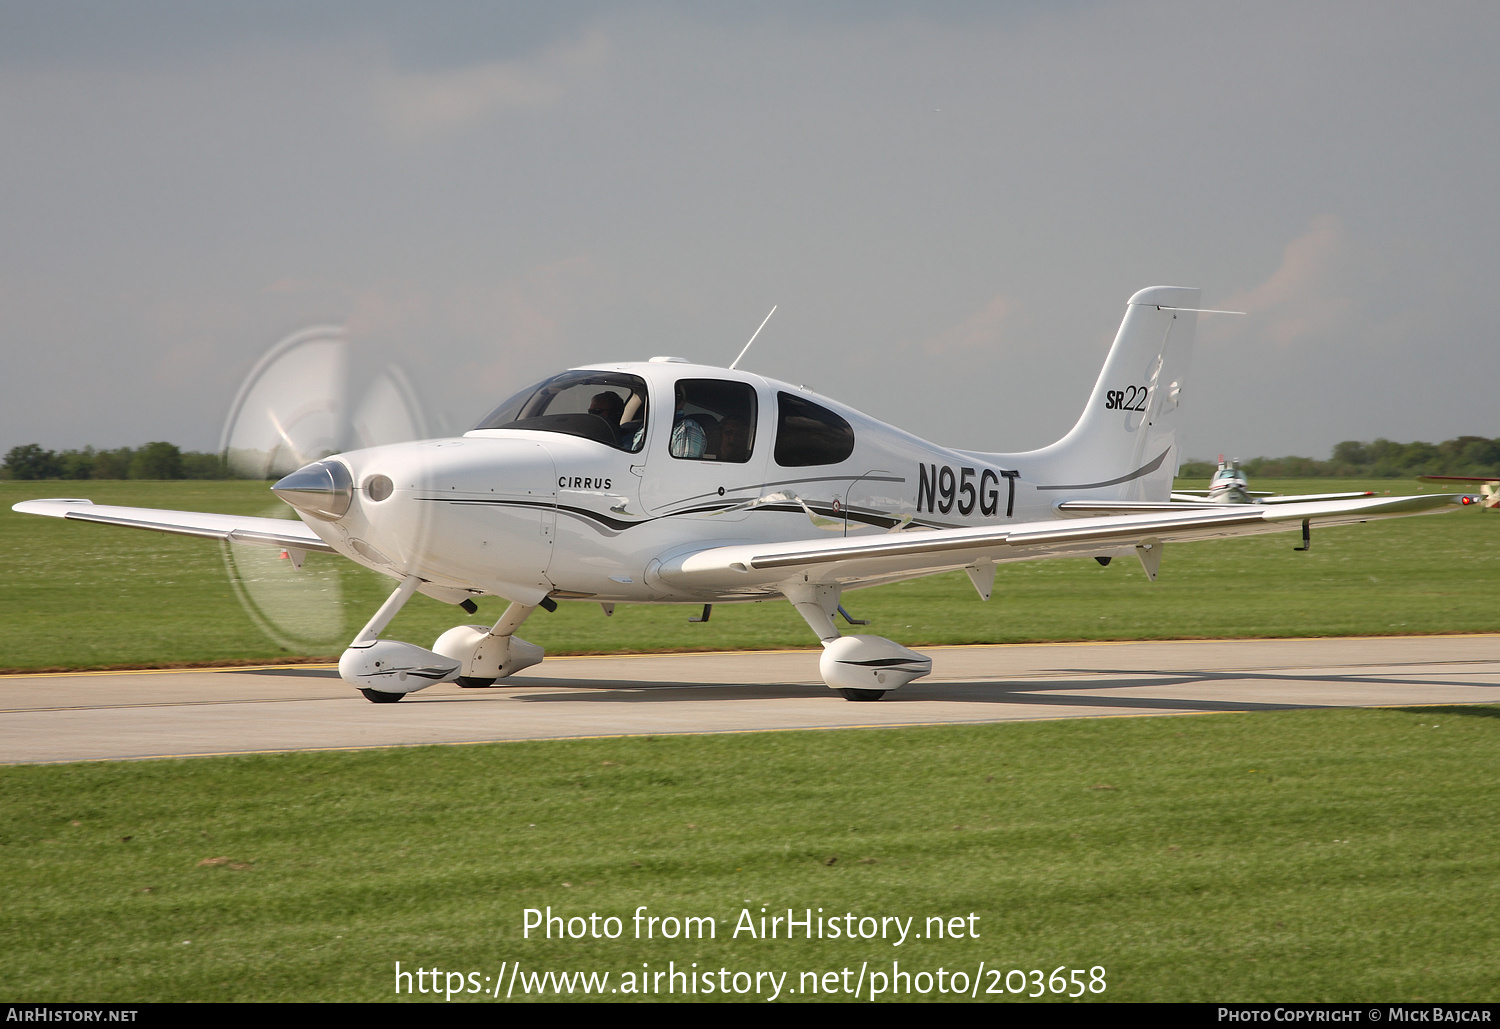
(607, 407)
(713, 420)
(809, 434)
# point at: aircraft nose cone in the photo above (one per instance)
(323, 489)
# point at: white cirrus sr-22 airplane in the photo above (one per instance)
(669, 482)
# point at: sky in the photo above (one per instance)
(949, 204)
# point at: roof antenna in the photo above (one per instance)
(752, 338)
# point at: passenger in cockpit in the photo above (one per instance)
(734, 439)
(688, 437)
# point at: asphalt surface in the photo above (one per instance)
(143, 714)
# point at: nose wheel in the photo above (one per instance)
(381, 697)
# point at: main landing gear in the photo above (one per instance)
(471, 655)
(860, 668)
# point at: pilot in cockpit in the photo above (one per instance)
(611, 407)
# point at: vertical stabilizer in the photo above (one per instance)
(1127, 442)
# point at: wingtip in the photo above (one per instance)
(43, 506)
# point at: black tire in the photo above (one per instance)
(380, 696)
(864, 696)
(470, 682)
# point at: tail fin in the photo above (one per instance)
(1126, 444)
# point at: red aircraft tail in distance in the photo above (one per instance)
(1489, 485)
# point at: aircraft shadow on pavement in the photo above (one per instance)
(1047, 693)
(977, 693)
(289, 671)
(1042, 693)
(1332, 678)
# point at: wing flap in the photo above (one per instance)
(267, 532)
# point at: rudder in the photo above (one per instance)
(1127, 443)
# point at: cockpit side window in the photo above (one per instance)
(608, 407)
(713, 420)
(810, 434)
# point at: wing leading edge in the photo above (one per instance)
(269, 532)
(854, 559)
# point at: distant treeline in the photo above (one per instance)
(1466, 455)
(152, 461)
(1382, 459)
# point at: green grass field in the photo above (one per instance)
(87, 596)
(1302, 855)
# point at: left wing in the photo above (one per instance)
(269, 532)
(859, 558)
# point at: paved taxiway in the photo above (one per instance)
(91, 716)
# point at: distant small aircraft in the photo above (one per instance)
(670, 482)
(1230, 485)
(1490, 486)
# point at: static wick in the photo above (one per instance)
(1196, 310)
(752, 338)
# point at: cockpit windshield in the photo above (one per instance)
(607, 407)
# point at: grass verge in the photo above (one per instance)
(1329, 855)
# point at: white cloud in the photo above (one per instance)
(526, 321)
(424, 102)
(390, 311)
(984, 329)
(1305, 296)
